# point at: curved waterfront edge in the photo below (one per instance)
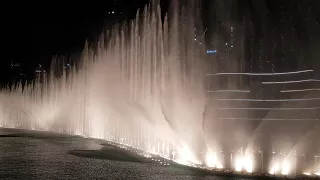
(198, 169)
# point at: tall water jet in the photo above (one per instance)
(142, 84)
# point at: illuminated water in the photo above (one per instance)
(49, 156)
(143, 86)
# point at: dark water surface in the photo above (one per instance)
(35, 155)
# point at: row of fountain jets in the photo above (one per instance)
(142, 87)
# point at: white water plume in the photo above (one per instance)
(143, 82)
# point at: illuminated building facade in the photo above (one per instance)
(263, 69)
(16, 71)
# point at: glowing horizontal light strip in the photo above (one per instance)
(312, 108)
(269, 100)
(289, 82)
(300, 90)
(242, 91)
(261, 74)
(269, 119)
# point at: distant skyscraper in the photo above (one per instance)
(40, 72)
(17, 72)
(264, 66)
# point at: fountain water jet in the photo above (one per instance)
(142, 86)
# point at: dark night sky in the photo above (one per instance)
(300, 21)
(35, 32)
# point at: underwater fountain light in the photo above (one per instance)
(275, 168)
(238, 164)
(212, 161)
(249, 164)
(186, 156)
(307, 174)
(244, 163)
(285, 168)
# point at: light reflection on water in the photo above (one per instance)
(46, 157)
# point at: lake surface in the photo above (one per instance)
(37, 155)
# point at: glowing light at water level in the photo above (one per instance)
(307, 174)
(212, 161)
(285, 168)
(281, 168)
(186, 156)
(275, 168)
(244, 163)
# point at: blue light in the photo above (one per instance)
(211, 51)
